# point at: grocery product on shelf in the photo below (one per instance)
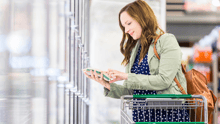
(202, 54)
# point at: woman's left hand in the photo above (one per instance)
(116, 75)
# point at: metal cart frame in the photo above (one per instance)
(127, 103)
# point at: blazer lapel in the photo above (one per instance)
(151, 49)
(134, 53)
(150, 53)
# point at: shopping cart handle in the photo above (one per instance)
(164, 96)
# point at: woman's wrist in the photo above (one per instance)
(126, 76)
(106, 85)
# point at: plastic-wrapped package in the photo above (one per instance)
(202, 54)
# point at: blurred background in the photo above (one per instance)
(45, 44)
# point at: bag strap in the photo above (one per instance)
(183, 67)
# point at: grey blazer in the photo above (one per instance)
(162, 71)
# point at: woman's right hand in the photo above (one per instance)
(116, 75)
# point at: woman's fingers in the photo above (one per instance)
(112, 81)
(113, 74)
(87, 75)
(96, 75)
(92, 75)
(111, 70)
(110, 74)
(101, 76)
(106, 72)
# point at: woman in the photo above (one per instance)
(145, 74)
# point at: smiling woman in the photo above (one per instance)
(145, 74)
(131, 26)
(137, 21)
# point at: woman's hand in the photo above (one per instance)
(94, 76)
(117, 75)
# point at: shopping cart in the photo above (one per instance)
(164, 103)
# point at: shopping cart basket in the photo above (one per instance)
(163, 103)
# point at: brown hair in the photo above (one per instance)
(144, 15)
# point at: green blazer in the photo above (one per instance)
(162, 71)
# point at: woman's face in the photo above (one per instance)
(132, 27)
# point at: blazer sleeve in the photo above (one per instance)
(170, 59)
(116, 91)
